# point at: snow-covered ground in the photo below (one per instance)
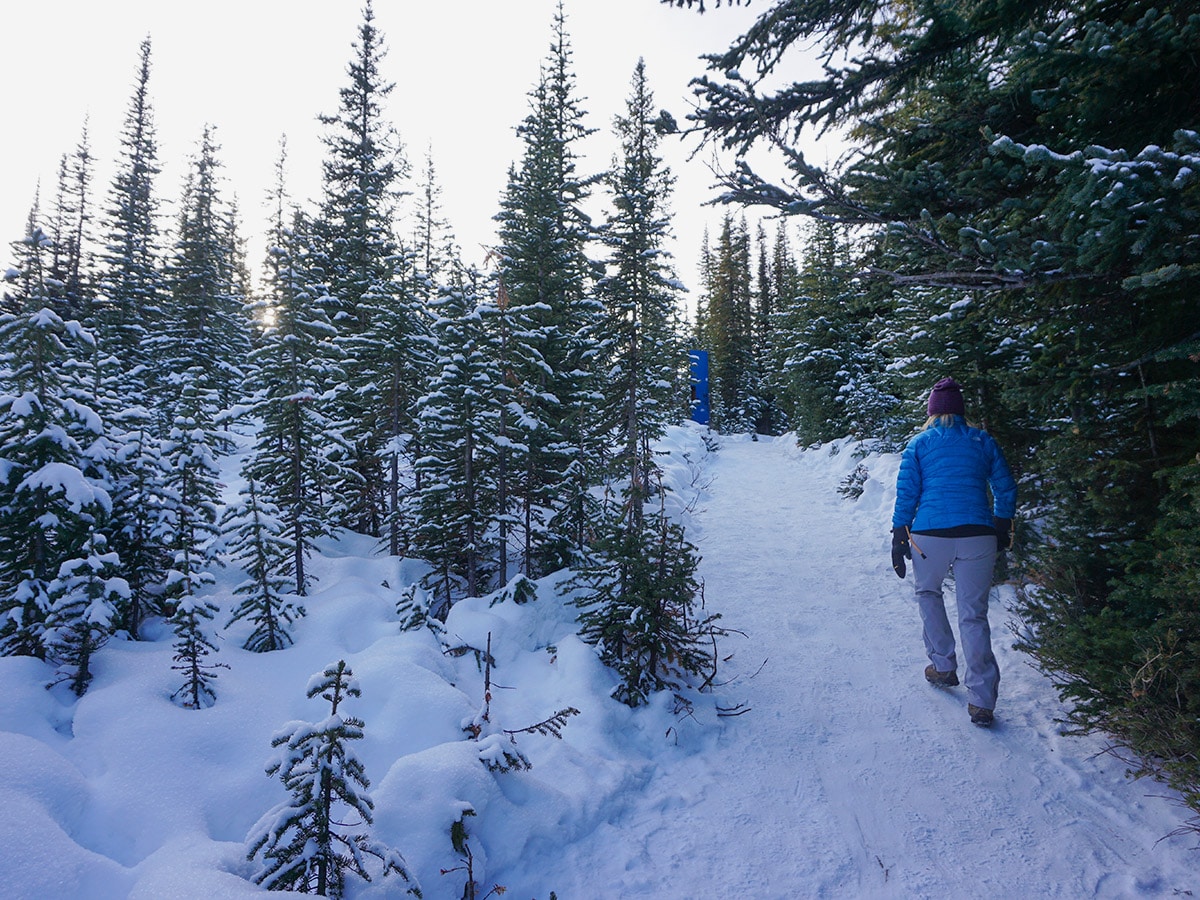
(845, 776)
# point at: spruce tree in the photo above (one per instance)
(371, 282)
(389, 363)
(199, 358)
(637, 594)
(784, 293)
(191, 493)
(192, 649)
(766, 302)
(432, 264)
(53, 495)
(258, 542)
(132, 289)
(71, 269)
(131, 280)
(83, 611)
(140, 522)
(315, 839)
(433, 238)
(544, 232)
(297, 377)
(975, 339)
(458, 501)
(644, 365)
(207, 334)
(725, 327)
(512, 335)
(829, 351)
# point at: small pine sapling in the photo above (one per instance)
(458, 838)
(83, 611)
(415, 609)
(520, 590)
(192, 648)
(638, 606)
(852, 485)
(196, 548)
(257, 544)
(310, 842)
(498, 746)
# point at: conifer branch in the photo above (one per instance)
(551, 727)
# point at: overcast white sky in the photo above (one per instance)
(259, 69)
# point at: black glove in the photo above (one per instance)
(1004, 534)
(900, 550)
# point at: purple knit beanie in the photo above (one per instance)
(946, 399)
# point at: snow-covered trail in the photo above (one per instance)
(849, 776)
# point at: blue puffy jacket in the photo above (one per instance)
(944, 475)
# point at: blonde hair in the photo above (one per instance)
(943, 419)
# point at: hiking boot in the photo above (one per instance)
(979, 715)
(941, 679)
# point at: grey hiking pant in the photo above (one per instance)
(972, 559)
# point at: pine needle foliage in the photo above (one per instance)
(52, 496)
(314, 840)
(192, 649)
(83, 612)
(638, 597)
(256, 541)
(544, 231)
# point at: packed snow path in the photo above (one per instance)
(850, 776)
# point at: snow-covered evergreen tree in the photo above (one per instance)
(544, 231)
(769, 290)
(140, 525)
(725, 327)
(315, 839)
(258, 542)
(131, 279)
(372, 283)
(83, 614)
(192, 649)
(512, 336)
(932, 332)
(198, 373)
(53, 495)
(296, 377)
(129, 382)
(206, 332)
(192, 495)
(71, 269)
(645, 369)
(389, 363)
(637, 594)
(433, 238)
(830, 356)
(458, 501)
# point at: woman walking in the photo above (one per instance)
(943, 514)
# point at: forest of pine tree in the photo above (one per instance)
(496, 423)
(1018, 209)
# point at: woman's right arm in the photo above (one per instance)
(1004, 486)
